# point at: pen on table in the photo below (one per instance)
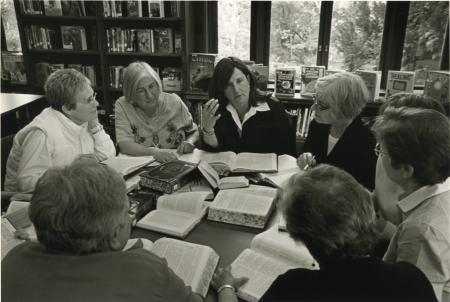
(306, 167)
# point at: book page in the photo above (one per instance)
(227, 158)
(255, 162)
(189, 261)
(237, 201)
(209, 173)
(126, 165)
(261, 270)
(286, 162)
(188, 202)
(281, 246)
(259, 190)
(197, 185)
(17, 214)
(231, 182)
(287, 166)
(9, 241)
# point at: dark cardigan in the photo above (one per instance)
(353, 151)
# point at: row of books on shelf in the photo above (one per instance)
(304, 118)
(72, 37)
(150, 8)
(171, 77)
(44, 69)
(55, 7)
(157, 40)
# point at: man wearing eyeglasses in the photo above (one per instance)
(414, 153)
(59, 134)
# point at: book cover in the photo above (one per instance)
(52, 8)
(178, 42)
(167, 177)
(142, 201)
(201, 69)
(134, 9)
(308, 78)
(372, 79)
(436, 85)
(399, 81)
(74, 37)
(250, 206)
(262, 76)
(155, 9)
(213, 178)
(13, 68)
(163, 40)
(171, 78)
(71, 8)
(285, 82)
(144, 40)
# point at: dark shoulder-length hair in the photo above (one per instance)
(222, 74)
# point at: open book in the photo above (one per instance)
(176, 214)
(271, 254)
(16, 218)
(242, 162)
(215, 181)
(287, 166)
(126, 165)
(250, 206)
(197, 185)
(193, 263)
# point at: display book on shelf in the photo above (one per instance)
(13, 68)
(201, 69)
(399, 81)
(271, 254)
(308, 79)
(437, 85)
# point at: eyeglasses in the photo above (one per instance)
(92, 98)
(319, 105)
(378, 150)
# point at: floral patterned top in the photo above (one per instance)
(167, 129)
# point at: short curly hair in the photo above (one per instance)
(346, 93)
(328, 210)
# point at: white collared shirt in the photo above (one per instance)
(423, 237)
(260, 107)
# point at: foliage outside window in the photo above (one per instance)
(234, 29)
(294, 34)
(356, 35)
(10, 26)
(424, 37)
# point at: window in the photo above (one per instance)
(234, 29)
(294, 34)
(10, 26)
(424, 37)
(356, 35)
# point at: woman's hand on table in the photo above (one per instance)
(162, 156)
(185, 147)
(223, 276)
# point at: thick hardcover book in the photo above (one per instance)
(372, 79)
(436, 85)
(308, 78)
(172, 79)
(74, 37)
(193, 263)
(13, 68)
(142, 201)
(271, 254)
(176, 214)
(285, 82)
(399, 81)
(163, 40)
(201, 68)
(250, 206)
(167, 177)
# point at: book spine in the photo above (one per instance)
(245, 219)
(161, 185)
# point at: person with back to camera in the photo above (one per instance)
(239, 118)
(337, 135)
(414, 153)
(148, 119)
(59, 134)
(333, 215)
(81, 216)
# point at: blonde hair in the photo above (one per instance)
(347, 94)
(133, 74)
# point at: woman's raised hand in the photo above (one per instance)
(209, 117)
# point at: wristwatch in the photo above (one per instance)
(96, 129)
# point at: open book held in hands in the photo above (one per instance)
(271, 254)
(215, 181)
(250, 206)
(193, 263)
(176, 214)
(126, 165)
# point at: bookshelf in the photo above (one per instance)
(86, 27)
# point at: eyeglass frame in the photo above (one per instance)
(318, 105)
(92, 98)
(377, 150)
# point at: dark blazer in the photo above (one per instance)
(265, 132)
(363, 279)
(353, 151)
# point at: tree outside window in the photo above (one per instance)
(356, 35)
(294, 34)
(234, 29)
(424, 37)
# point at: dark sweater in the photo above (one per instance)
(265, 132)
(353, 151)
(364, 279)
